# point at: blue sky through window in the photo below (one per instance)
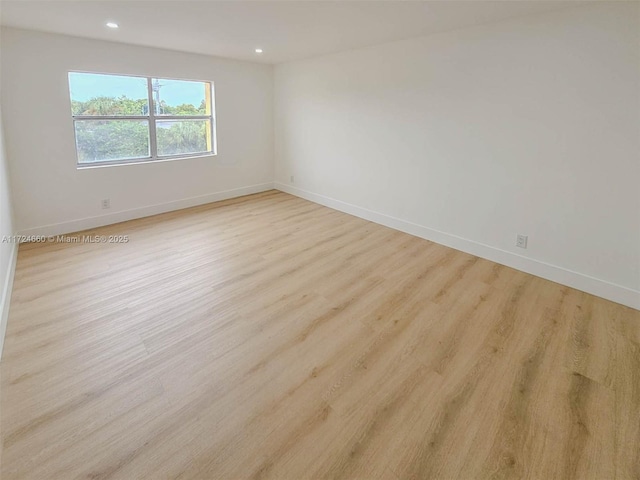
(84, 86)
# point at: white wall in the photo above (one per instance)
(52, 196)
(8, 250)
(6, 217)
(529, 126)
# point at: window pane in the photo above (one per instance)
(183, 136)
(181, 97)
(104, 140)
(97, 94)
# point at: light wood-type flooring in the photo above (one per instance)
(270, 337)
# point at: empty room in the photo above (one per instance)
(299, 240)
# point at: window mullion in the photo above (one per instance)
(153, 145)
(109, 117)
(184, 117)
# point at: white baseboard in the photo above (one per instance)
(5, 299)
(579, 281)
(124, 215)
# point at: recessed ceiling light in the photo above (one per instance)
(258, 50)
(112, 25)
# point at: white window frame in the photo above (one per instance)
(152, 118)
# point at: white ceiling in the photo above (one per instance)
(286, 30)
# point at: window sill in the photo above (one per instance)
(88, 166)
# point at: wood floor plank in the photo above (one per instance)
(270, 337)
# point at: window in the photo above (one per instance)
(113, 123)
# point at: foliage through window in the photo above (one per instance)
(114, 124)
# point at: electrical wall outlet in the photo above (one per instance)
(106, 203)
(521, 241)
(291, 179)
